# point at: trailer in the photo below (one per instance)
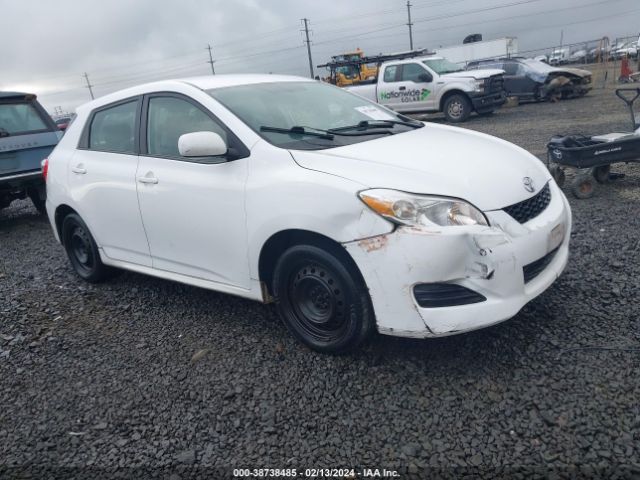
(462, 54)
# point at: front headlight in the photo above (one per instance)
(422, 210)
(479, 85)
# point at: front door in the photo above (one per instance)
(193, 210)
(407, 87)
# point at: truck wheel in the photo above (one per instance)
(457, 108)
(322, 301)
(39, 200)
(583, 186)
(601, 173)
(558, 174)
(82, 250)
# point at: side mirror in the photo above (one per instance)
(425, 77)
(201, 144)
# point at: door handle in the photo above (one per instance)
(402, 88)
(79, 169)
(148, 180)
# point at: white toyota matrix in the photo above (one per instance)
(350, 217)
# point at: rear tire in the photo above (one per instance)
(583, 186)
(457, 108)
(558, 174)
(39, 201)
(82, 250)
(322, 301)
(601, 174)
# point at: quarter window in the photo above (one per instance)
(113, 129)
(171, 117)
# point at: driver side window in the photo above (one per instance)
(168, 118)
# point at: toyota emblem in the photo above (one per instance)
(528, 184)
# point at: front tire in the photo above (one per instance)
(322, 301)
(457, 108)
(82, 250)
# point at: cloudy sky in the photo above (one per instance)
(48, 45)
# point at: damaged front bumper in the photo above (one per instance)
(489, 261)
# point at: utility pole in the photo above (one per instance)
(210, 62)
(561, 37)
(308, 42)
(86, 77)
(409, 24)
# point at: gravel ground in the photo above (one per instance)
(102, 380)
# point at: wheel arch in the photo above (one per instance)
(61, 212)
(450, 93)
(279, 242)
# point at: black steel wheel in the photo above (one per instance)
(82, 250)
(322, 302)
(457, 108)
(601, 173)
(583, 186)
(558, 174)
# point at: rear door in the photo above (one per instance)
(193, 209)
(407, 87)
(102, 181)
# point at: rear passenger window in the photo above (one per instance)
(113, 129)
(411, 72)
(171, 117)
(390, 73)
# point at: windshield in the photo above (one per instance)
(442, 66)
(539, 66)
(313, 105)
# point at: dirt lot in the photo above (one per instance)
(98, 380)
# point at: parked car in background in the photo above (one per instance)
(63, 122)
(533, 80)
(350, 217)
(579, 56)
(629, 50)
(542, 58)
(434, 84)
(27, 136)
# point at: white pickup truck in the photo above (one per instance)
(434, 84)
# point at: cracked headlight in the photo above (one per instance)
(422, 210)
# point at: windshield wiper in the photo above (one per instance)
(298, 130)
(368, 124)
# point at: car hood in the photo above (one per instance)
(477, 74)
(436, 160)
(575, 71)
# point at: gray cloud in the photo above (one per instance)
(48, 45)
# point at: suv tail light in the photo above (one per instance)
(45, 168)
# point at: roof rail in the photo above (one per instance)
(378, 58)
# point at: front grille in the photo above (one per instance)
(496, 84)
(433, 295)
(532, 207)
(534, 269)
